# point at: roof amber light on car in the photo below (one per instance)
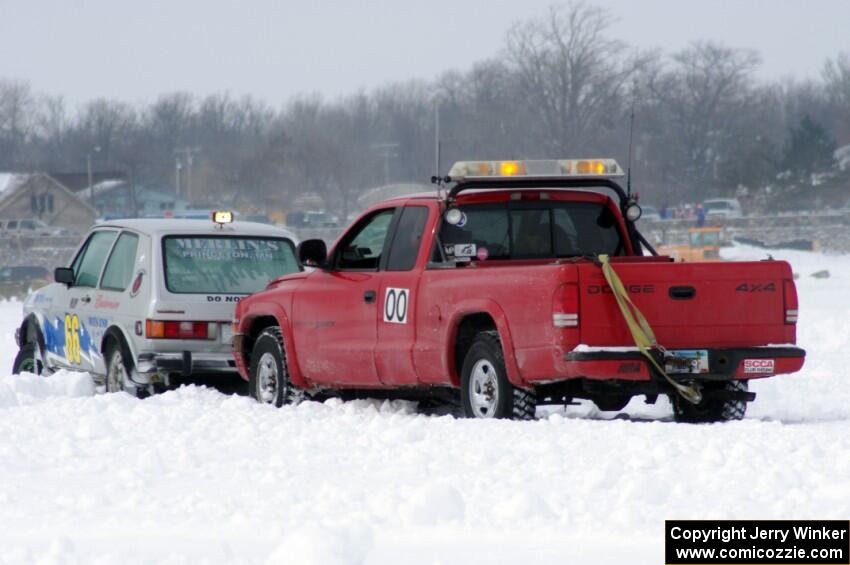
(222, 217)
(536, 168)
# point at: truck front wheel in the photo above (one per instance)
(269, 377)
(485, 390)
(713, 409)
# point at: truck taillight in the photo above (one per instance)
(565, 306)
(560, 320)
(790, 302)
(159, 329)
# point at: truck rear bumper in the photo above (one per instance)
(622, 363)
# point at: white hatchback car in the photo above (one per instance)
(147, 300)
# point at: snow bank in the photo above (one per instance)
(197, 476)
(27, 388)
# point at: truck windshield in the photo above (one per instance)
(225, 264)
(529, 230)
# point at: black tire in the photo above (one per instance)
(485, 390)
(713, 409)
(268, 381)
(119, 367)
(611, 402)
(27, 360)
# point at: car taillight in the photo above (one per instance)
(565, 306)
(159, 329)
(790, 302)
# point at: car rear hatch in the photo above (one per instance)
(205, 276)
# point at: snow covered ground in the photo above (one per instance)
(197, 476)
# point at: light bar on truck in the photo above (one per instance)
(581, 168)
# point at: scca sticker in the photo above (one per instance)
(396, 305)
(761, 366)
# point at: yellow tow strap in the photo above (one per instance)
(641, 331)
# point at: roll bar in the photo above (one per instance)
(507, 183)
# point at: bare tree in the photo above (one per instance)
(836, 77)
(17, 112)
(704, 96)
(107, 125)
(573, 72)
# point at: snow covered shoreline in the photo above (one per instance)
(196, 475)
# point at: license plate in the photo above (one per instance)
(226, 333)
(687, 361)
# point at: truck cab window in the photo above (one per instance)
(362, 247)
(530, 230)
(407, 238)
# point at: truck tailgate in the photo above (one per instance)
(690, 305)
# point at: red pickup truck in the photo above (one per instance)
(492, 286)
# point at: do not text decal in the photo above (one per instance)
(396, 305)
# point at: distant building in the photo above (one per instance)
(78, 182)
(119, 199)
(39, 195)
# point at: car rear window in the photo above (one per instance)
(225, 264)
(529, 230)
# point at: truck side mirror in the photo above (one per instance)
(64, 275)
(313, 253)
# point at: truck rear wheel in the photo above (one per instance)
(269, 376)
(713, 409)
(485, 390)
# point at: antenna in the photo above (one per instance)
(631, 145)
(436, 137)
(437, 178)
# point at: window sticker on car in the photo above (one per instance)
(464, 250)
(482, 254)
(396, 305)
(227, 249)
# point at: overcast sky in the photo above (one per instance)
(274, 49)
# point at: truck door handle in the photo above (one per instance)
(369, 296)
(682, 292)
(86, 299)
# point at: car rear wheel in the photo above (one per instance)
(118, 372)
(713, 409)
(269, 376)
(485, 390)
(28, 360)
